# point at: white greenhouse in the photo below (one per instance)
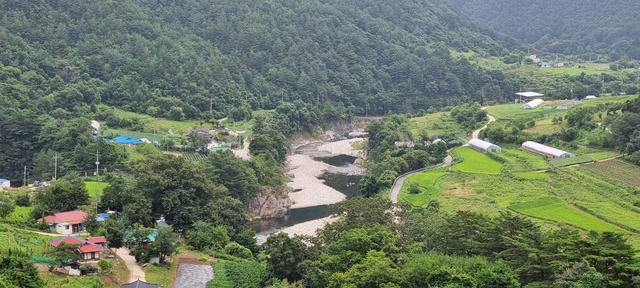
(533, 104)
(545, 150)
(484, 146)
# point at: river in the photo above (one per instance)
(331, 172)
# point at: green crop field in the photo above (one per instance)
(476, 162)
(95, 188)
(545, 126)
(520, 160)
(55, 281)
(602, 155)
(194, 157)
(552, 208)
(427, 181)
(571, 161)
(613, 213)
(24, 240)
(617, 170)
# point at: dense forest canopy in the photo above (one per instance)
(184, 59)
(570, 27)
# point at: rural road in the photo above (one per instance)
(474, 134)
(135, 271)
(397, 184)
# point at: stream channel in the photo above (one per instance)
(344, 178)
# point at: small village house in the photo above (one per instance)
(90, 248)
(65, 222)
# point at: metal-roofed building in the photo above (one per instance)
(483, 146)
(545, 150)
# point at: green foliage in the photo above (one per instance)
(204, 235)
(105, 265)
(237, 250)
(65, 253)
(285, 256)
(376, 270)
(7, 206)
(232, 172)
(16, 270)
(166, 242)
(240, 274)
(542, 22)
(62, 195)
(468, 115)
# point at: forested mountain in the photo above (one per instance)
(564, 26)
(184, 58)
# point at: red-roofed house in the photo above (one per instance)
(66, 222)
(98, 240)
(88, 249)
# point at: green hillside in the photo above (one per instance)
(563, 26)
(176, 60)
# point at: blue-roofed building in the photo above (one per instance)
(4, 183)
(161, 222)
(126, 140)
(544, 64)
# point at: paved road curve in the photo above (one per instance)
(397, 184)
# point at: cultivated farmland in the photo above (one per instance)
(571, 161)
(553, 208)
(428, 186)
(617, 170)
(476, 162)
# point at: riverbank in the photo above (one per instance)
(308, 189)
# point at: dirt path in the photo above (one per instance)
(397, 184)
(474, 134)
(135, 271)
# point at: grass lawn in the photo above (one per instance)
(95, 188)
(476, 162)
(161, 274)
(616, 170)
(60, 281)
(427, 181)
(553, 208)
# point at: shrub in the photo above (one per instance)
(235, 249)
(104, 265)
(414, 188)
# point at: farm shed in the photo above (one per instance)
(529, 95)
(484, 146)
(4, 183)
(545, 150)
(533, 104)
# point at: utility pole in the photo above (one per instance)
(97, 163)
(211, 105)
(482, 96)
(55, 166)
(24, 180)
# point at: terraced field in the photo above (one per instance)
(554, 209)
(616, 170)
